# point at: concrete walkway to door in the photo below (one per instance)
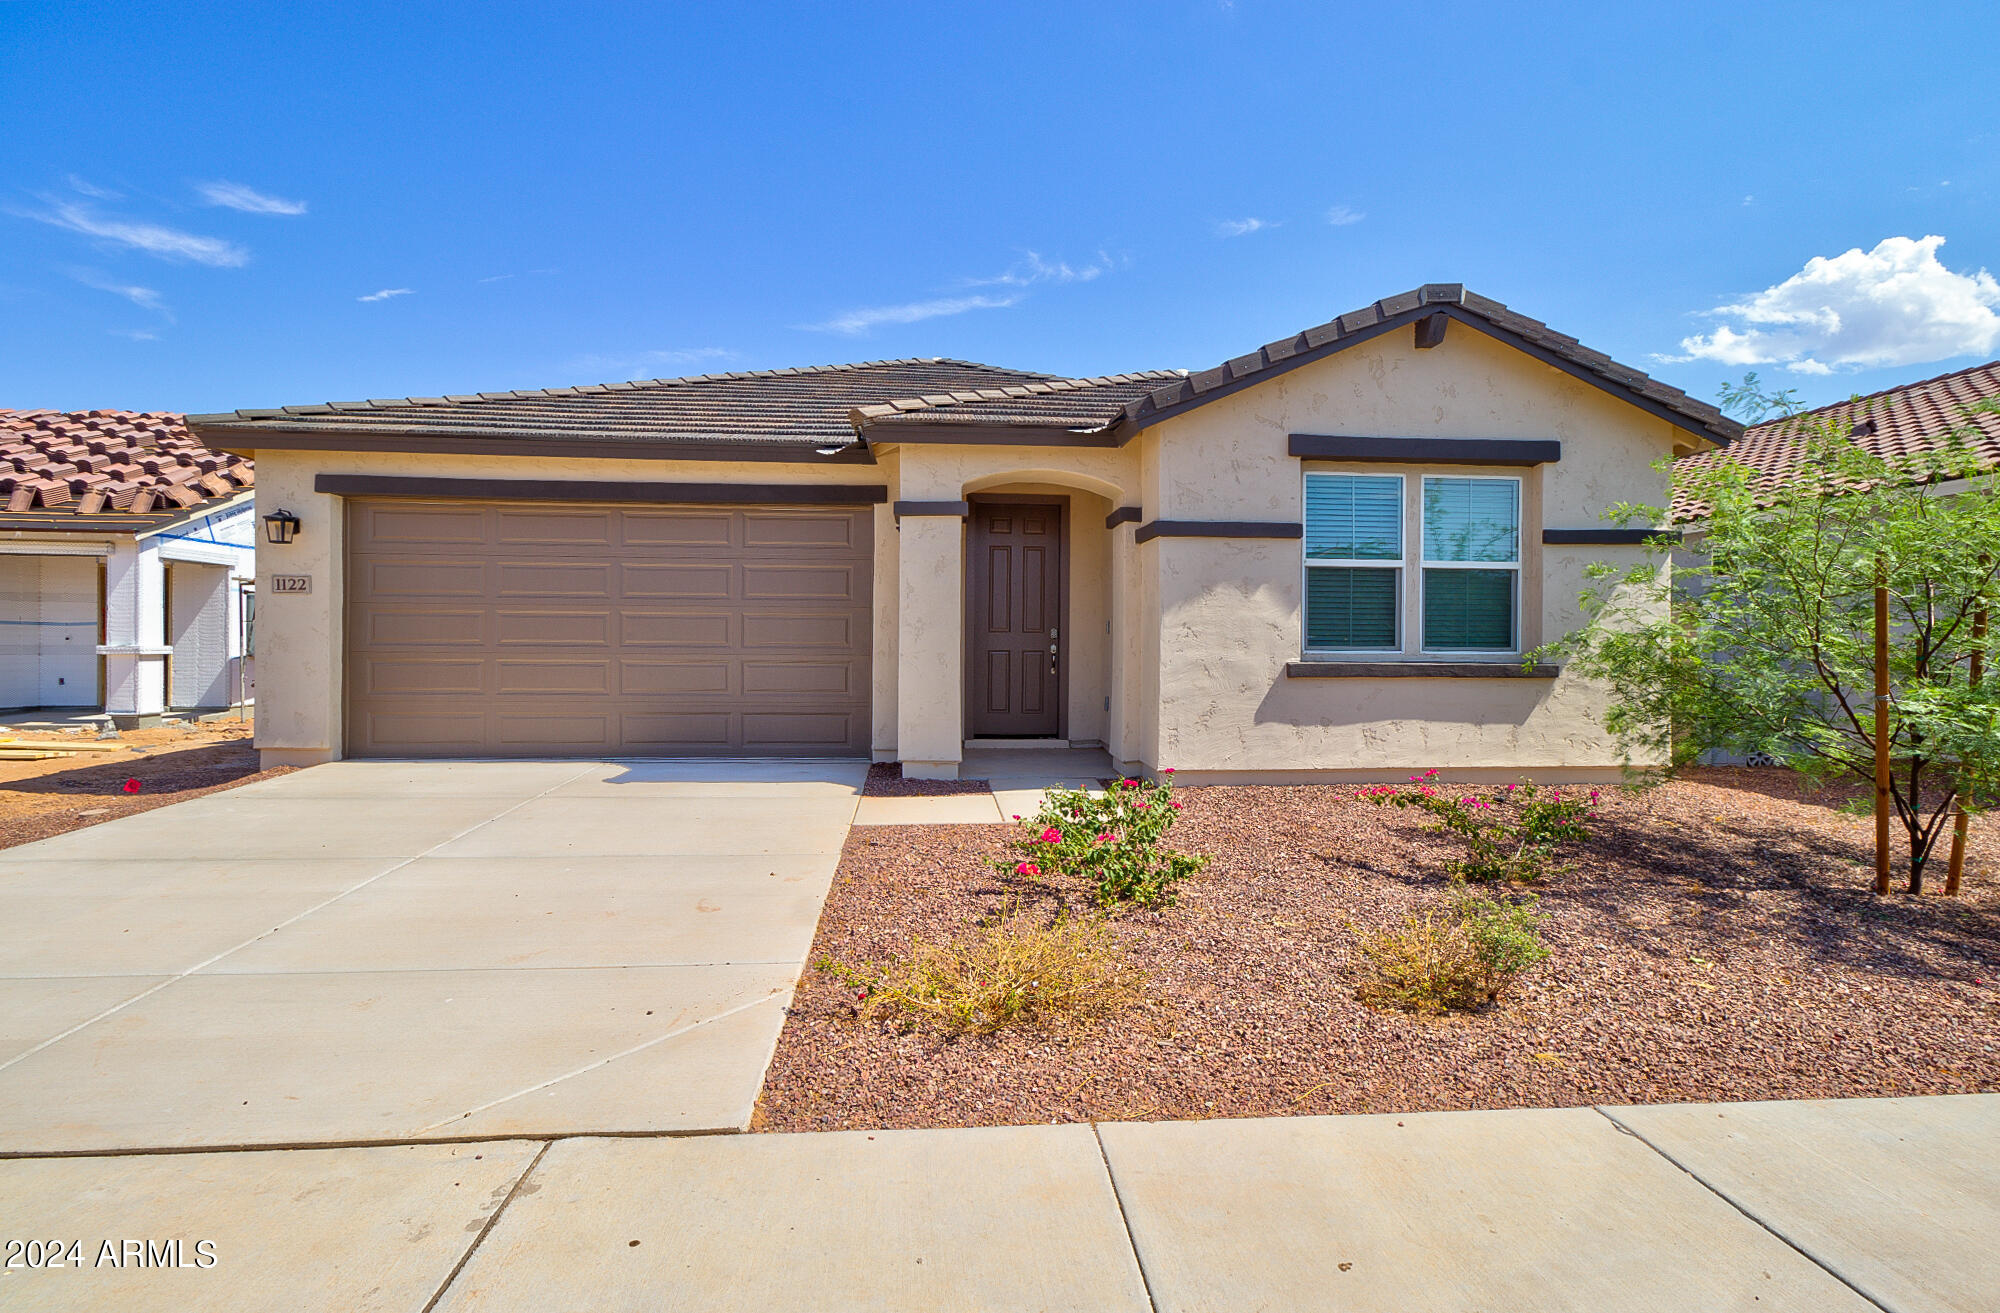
(385, 951)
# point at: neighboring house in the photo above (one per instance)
(1324, 559)
(1896, 422)
(127, 553)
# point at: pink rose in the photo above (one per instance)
(1141, 806)
(1176, 806)
(1168, 771)
(1131, 784)
(1052, 835)
(1027, 868)
(1107, 837)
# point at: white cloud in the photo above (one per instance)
(496, 278)
(152, 238)
(239, 197)
(1243, 227)
(1340, 216)
(1894, 305)
(136, 334)
(144, 297)
(853, 323)
(1031, 268)
(88, 188)
(386, 293)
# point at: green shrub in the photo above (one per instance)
(1452, 958)
(1011, 971)
(1114, 841)
(1511, 834)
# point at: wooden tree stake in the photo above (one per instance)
(1881, 730)
(1956, 869)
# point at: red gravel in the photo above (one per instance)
(885, 780)
(1716, 940)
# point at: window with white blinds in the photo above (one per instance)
(1457, 570)
(1354, 562)
(1471, 564)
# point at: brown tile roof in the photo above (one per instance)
(108, 469)
(804, 407)
(1120, 407)
(1895, 422)
(1068, 403)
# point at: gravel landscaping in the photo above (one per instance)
(1716, 940)
(885, 780)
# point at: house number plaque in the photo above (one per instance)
(291, 583)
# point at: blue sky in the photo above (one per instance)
(205, 208)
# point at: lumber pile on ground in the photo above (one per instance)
(42, 749)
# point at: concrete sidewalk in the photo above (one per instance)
(1824, 1207)
(1017, 779)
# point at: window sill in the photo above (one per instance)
(1417, 670)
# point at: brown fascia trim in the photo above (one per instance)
(248, 442)
(79, 524)
(1126, 427)
(1426, 451)
(706, 494)
(984, 435)
(1217, 529)
(1430, 331)
(1608, 537)
(1124, 515)
(1415, 670)
(954, 509)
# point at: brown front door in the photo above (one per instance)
(1016, 620)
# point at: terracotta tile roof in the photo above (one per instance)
(804, 407)
(1899, 421)
(1118, 406)
(1070, 403)
(94, 467)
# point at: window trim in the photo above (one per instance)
(1425, 564)
(1400, 566)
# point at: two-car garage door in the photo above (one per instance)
(553, 628)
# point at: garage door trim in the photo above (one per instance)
(686, 494)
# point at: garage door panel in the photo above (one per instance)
(801, 631)
(683, 732)
(774, 731)
(839, 529)
(524, 628)
(393, 676)
(709, 580)
(671, 678)
(677, 529)
(425, 629)
(389, 525)
(416, 734)
(582, 529)
(837, 584)
(540, 678)
(677, 629)
(407, 578)
(516, 578)
(556, 731)
(791, 679)
(588, 629)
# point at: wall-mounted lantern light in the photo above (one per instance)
(281, 526)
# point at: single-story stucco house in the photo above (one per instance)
(1323, 559)
(127, 566)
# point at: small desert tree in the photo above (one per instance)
(1760, 638)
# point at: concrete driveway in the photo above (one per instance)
(393, 951)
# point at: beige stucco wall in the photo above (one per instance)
(1230, 610)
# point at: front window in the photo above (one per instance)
(1472, 564)
(1450, 559)
(1354, 562)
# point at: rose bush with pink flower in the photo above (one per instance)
(1511, 835)
(1115, 841)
